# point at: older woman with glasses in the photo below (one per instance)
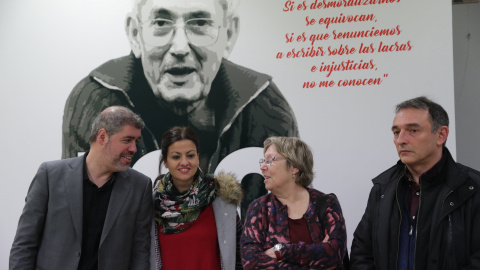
(294, 226)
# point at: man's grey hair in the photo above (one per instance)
(230, 6)
(113, 119)
(438, 115)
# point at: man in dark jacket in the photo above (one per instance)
(424, 212)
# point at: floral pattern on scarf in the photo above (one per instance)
(177, 211)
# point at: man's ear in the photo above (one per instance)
(442, 135)
(102, 137)
(132, 29)
(233, 27)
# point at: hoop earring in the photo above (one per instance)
(200, 169)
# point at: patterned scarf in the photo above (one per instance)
(177, 211)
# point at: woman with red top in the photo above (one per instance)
(294, 226)
(196, 225)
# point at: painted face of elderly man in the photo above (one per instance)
(181, 45)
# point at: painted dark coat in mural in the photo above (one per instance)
(247, 105)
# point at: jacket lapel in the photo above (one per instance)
(121, 189)
(225, 231)
(73, 179)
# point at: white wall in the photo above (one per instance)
(47, 46)
(466, 60)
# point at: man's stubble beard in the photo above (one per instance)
(115, 161)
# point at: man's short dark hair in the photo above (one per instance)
(438, 115)
(113, 119)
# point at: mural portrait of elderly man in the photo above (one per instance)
(177, 74)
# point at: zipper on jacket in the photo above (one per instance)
(401, 215)
(417, 222)
(418, 214)
(450, 241)
(450, 228)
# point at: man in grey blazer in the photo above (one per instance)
(92, 211)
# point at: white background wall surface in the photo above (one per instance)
(466, 60)
(49, 45)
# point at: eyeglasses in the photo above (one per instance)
(269, 161)
(199, 31)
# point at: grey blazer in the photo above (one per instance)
(49, 233)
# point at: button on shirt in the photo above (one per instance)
(413, 199)
(95, 206)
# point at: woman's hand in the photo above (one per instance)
(269, 252)
(326, 238)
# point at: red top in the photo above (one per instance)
(194, 248)
(299, 231)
